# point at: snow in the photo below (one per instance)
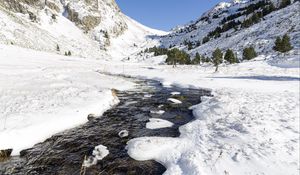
(261, 35)
(42, 94)
(99, 153)
(175, 101)
(249, 126)
(136, 38)
(159, 112)
(175, 93)
(47, 34)
(156, 123)
(125, 36)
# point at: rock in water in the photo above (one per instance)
(123, 133)
(99, 153)
(114, 92)
(91, 117)
(4, 154)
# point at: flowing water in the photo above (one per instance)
(63, 153)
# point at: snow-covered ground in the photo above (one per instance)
(249, 126)
(42, 94)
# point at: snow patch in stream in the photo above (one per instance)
(156, 123)
(175, 93)
(175, 101)
(159, 112)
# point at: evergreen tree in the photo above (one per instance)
(69, 53)
(278, 44)
(190, 45)
(249, 53)
(197, 59)
(217, 58)
(230, 57)
(286, 44)
(284, 3)
(283, 45)
(176, 56)
(205, 40)
(53, 17)
(106, 35)
(57, 48)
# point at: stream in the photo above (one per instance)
(63, 153)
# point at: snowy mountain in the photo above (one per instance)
(249, 125)
(86, 28)
(236, 25)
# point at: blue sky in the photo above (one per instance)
(165, 14)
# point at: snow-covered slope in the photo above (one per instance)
(85, 28)
(133, 40)
(261, 35)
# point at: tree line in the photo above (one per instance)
(176, 56)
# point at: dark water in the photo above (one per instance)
(63, 153)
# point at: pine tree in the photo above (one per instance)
(197, 59)
(283, 45)
(69, 53)
(249, 53)
(205, 39)
(190, 45)
(217, 58)
(284, 3)
(176, 56)
(286, 45)
(106, 35)
(57, 48)
(230, 57)
(172, 57)
(278, 44)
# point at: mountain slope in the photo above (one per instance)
(222, 27)
(86, 28)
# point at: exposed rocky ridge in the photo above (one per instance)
(21, 6)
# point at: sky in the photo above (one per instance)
(165, 14)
